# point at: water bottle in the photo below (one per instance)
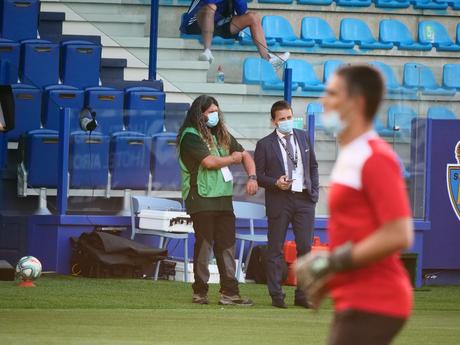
(220, 77)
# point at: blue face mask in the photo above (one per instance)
(286, 126)
(213, 119)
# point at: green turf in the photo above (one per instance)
(67, 310)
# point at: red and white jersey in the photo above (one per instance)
(367, 190)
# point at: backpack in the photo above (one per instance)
(257, 266)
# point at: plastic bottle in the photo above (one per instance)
(220, 77)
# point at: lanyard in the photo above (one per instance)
(294, 159)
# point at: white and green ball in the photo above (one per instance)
(28, 268)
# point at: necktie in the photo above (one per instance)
(290, 163)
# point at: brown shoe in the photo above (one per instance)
(235, 300)
(200, 299)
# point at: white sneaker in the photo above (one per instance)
(206, 56)
(278, 61)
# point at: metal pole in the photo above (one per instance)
(288, 85)
(63, 160)
(153, 39)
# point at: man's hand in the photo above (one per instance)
(237, 157)
(282, 184)
(252, 187)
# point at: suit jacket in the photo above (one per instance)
(270, 167)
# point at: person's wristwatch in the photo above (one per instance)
(252, 177)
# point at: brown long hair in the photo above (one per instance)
(196, 120)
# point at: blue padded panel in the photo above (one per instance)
(430, 4)
(354, 3)
(441, 113)
(430, 31)
(28, 105)
(304, 75)
(145, 110)
(81, 63)
(330, 66)
(399, 116)
(451, 76)
(165, 166)
(391, 82)
(9, 62)
(62, 96)
(392, 3)
(175, 114)
(279, 29)
(317, 29)
(39, 63)
(393, 31)
(42, 172)
(422, 77)
(108, 104)
(357, 31)
(20, 19)
(130, 155)
(88, 160)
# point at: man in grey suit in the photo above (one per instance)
(286, 167)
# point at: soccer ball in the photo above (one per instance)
(28, 268)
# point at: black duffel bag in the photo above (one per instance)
(103, 255)
(257, 266)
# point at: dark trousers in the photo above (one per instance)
(214, 231)
(352, 327)
(298, 211)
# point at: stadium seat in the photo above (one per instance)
(455, 4)
(279, 28)
(9, 62)
(28, 106)
(245, 38)
(144, 110)
(175, 114)
(80, 63)
(392, 84)
(39, 63)
(318, 30)
(275, 1)
(430, 31)
(19, 19)
(88, 160)
(430, 4)
(57, 97)
(354, 3)
(315, 2)
(41, 143)
(317, 110)
(392, 3)
(399, 118)
(440, 113)
(393, 31)
(130, 155)
(108, 104)
(418, 76)
(165, 166)
(355, 30)
(304, 75)
(330, 66)
(260, 72)
(451, 76)
(381, 129)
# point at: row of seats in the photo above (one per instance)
(418, 4)
(42, 63)
(416, 77)
(399, 117)
(19, 19)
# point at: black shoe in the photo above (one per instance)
(279, 303)
(302, 303)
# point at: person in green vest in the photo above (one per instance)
(206, 150)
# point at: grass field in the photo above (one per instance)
(67, 310)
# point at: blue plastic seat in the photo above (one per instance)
(28, 107)
(57, 97)
(315, 2)
(279, 28)
(418, 76)
(392, 3)
(39, 63)
(80, 63)
(19, 19)
(381, 129)
(318, 30)
(130, 155)
(393, 31)
(304, 75)
(9, 62)
(430, 4)
(175, 114)
(455, 4)
(430, 31)
(399, 118)
(260, 72)
(275, 1)
(355, 30)
(354, 3)
(165, 166)
(42, 173)
(392, 84)
(245, 38)
(317, 110)
(88, 160)
(451, 76)
(145, 110)
(330, 66)
(108, 104)
(440, 113)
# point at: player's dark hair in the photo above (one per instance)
(366, 81)
(279, 105)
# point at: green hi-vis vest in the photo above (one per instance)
(210, 182)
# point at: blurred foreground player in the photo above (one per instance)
(369, 223)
